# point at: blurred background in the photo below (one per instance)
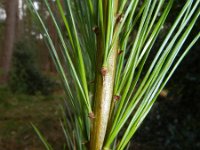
(30, 91)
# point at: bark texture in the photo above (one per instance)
(105, 77)
(9, 40)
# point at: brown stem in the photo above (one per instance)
(103, 98)
(104, 91)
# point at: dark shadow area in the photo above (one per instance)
(174, 123)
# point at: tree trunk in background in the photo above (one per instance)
(49, 66)
(54, 37)
(20, 27)
(10, 29)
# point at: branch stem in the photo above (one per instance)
(104, 91)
